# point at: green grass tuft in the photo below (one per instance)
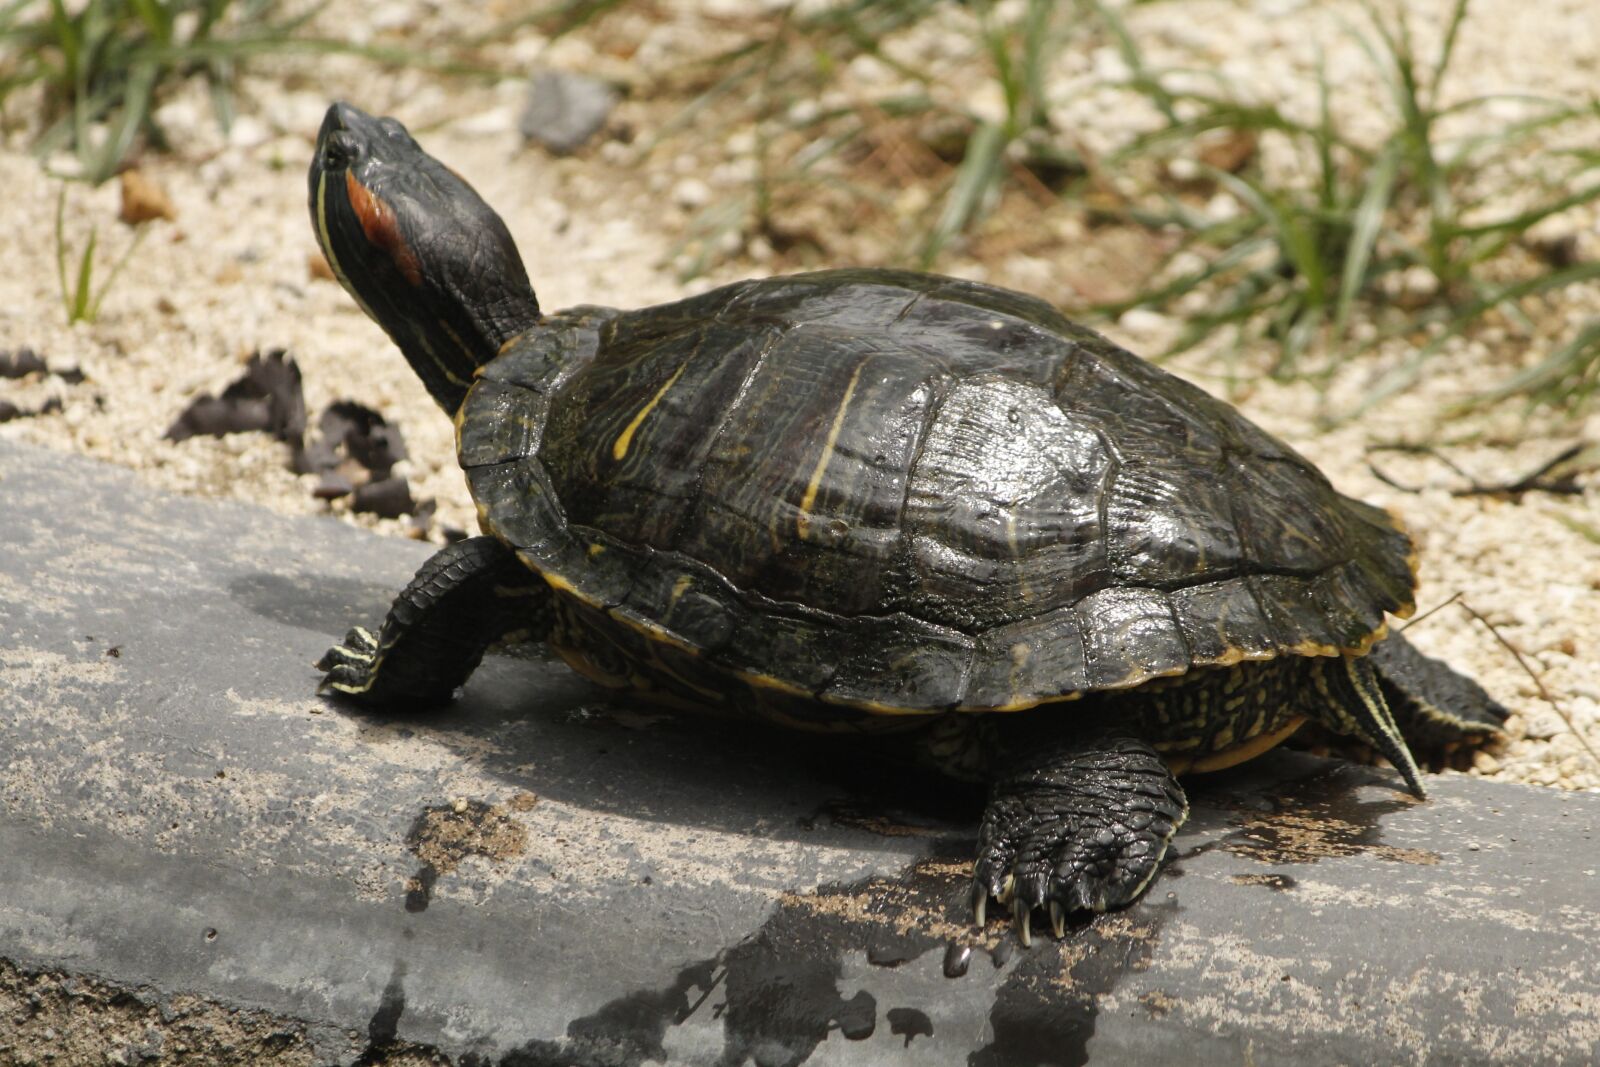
(102, 65)
(862, 157)
(82, 299)
(1368, 222)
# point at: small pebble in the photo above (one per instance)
(143, 200)
(691, 193)
(565, 110)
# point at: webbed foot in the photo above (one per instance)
(1080, 826)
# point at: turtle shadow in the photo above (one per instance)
(541, 728)
(312, 602)
(530, 720)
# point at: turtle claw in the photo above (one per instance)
(349, 665)
(1022, 916)
(359, 647)
(1021, 906)
(1078, 828)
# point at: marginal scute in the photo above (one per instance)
(1221, 622)
(497, 425)
(539, 359)
(519, 506)
(694, 607)
(1130, 636)
(888, 492)
(1029, 661)
(799, 652)
(915, 668)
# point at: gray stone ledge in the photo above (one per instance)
(180, 814)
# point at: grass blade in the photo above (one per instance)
(1578, 358)
(974, 180)
(79, 309)
(61, 249)
(1367, 223)
(1406, 374)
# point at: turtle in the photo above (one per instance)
(869, 500)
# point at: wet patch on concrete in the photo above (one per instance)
(1047, 1010)
(781, 994)
(909, 1023)
(777, 993)
(383, 1029)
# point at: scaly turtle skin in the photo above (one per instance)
(876, 500)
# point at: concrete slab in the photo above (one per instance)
(541, 875)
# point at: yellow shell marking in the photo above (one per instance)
(619, 450)
(803, 523)
(561, 585)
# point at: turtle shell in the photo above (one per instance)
(904, 493)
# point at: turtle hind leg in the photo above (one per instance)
(1076, 825)
(463, 599)
(1436, 706)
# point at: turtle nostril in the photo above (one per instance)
(339, 150)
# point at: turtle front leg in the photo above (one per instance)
(463, 599)
(1077, 825)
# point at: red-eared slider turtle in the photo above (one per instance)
(876, 499)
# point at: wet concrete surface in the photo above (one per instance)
(543, 876)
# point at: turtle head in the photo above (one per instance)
(418, 249)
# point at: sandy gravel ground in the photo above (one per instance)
(232, 274)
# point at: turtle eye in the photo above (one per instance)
(340, 150)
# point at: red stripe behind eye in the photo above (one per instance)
(382, 229)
